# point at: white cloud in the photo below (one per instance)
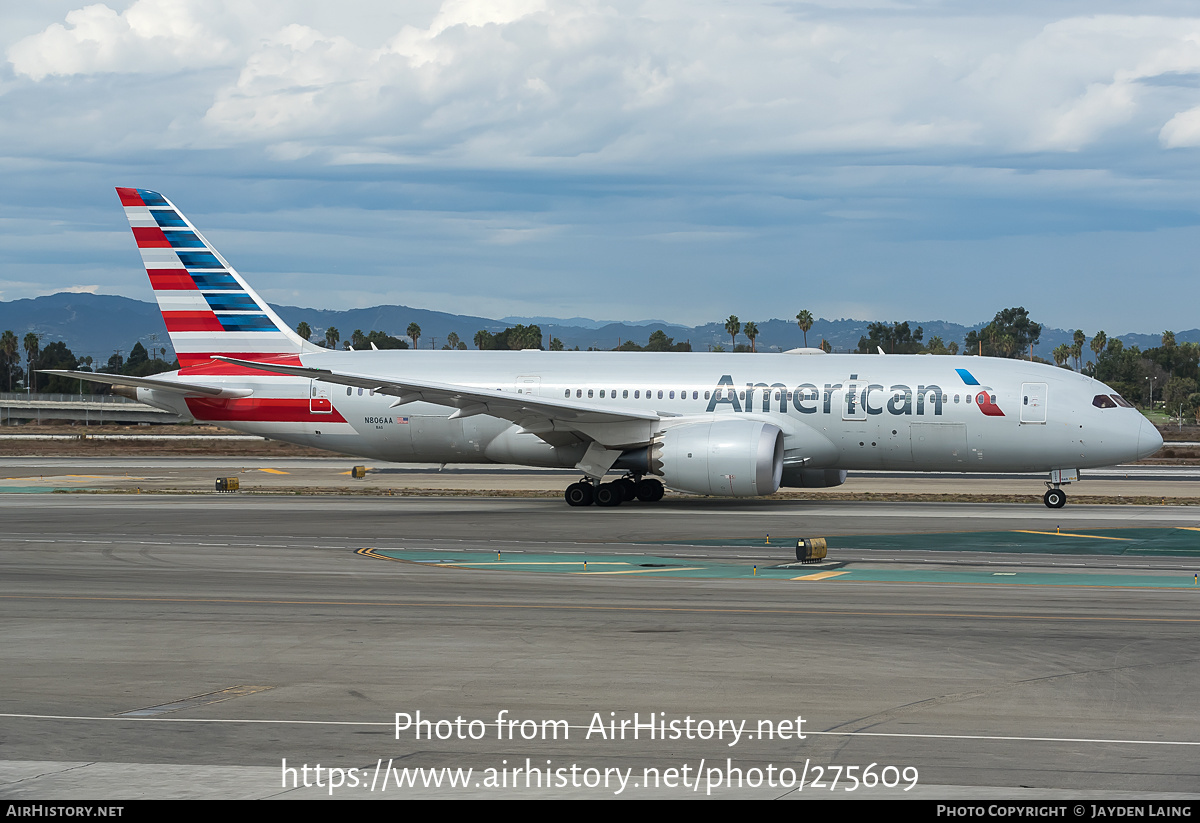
(1182, 130)
(150, 35)
(503, 82)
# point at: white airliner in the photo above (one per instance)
(717, 424)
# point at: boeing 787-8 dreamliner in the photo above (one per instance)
(713, 424)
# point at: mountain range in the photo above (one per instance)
(99, 325)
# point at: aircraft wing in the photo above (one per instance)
(536, 414)
(158, 384)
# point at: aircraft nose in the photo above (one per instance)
(1149, 440)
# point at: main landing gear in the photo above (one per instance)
(585, 492)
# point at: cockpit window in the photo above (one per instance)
(1103, 401)
(1121, 401)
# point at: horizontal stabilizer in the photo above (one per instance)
(175, 387)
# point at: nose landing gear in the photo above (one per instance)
(1055, 499)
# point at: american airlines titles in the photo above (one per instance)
(858, 398)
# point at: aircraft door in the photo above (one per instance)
(1033, 402)
(854, 398)
(318, 398)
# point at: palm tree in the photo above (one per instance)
(1061, 353)
(1098, 344)
(805, 321)
(452, 340)
(332, 337)
(9, 345)
(414, 331)
(1077, 349)
(304, 330)
(733, 326)
(752, 332)
(31, 353)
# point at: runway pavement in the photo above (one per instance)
(1138, 483)
(186, 646)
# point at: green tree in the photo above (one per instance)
(1078, 339)
(9, 359)
(826, 346)
(304, 330)
(733, 327)
(556, 344)
(518, 337)
(659, 341)
(138, 357)
(485, 340)
(383, 340)
(1061, 354)
(1099, 342)
(1177, 391)
(897, 338)
(58, 356)
(332, 337)
(452, 340)
(805, 321)
(751, 332)
(1009, 334)
(414, 331)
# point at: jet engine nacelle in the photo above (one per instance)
(729, 458)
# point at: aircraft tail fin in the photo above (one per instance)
(208, 308)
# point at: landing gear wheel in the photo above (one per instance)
(628, 489)
(1055, 499)
(608, 494)
(579, 494)
(649, 491)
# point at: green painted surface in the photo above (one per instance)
(32, 490)
(1166, 542)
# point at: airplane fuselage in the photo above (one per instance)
(847, 412)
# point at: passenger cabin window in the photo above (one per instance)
(1100, 401)
(567, 393)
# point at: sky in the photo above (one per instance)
(682, 161)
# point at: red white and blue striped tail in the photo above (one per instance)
(207, 306)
